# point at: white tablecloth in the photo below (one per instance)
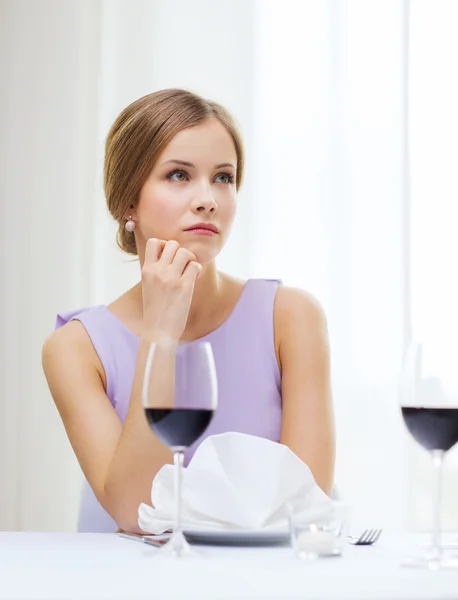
(60, 565)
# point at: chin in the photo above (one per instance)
(206, 249)
(203, 255)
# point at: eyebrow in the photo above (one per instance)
(188, 164)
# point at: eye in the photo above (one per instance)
(180, 175)
(228, 178)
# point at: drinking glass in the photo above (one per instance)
(429, 405)
(315, 536)
(179, 398)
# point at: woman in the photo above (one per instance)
(173, 166)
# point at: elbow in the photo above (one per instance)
(122, 511)
(129, 527)
(127, 520)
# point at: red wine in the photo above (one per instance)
(433, 428)
(178, 427)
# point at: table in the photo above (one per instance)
(71, 565)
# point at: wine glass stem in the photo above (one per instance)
(438, 457)
(178, 457)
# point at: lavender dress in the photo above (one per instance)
(249, 386)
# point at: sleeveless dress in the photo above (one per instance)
(249, 383)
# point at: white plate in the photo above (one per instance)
(238, 538)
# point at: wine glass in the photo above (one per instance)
(429, 404)
(179, 398)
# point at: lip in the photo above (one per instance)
(203, 228)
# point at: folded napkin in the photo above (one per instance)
(236, 482)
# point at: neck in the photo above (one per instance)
(208, 291)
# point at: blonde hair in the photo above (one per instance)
(138, 137)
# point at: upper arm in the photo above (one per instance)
(307, 414)
(75, 379)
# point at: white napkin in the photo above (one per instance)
(236, 481)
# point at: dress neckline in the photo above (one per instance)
(220, 327)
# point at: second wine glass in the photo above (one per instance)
(429, 405)
(180, 397)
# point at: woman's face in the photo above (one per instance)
(192, 182)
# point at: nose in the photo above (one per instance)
(204, 202)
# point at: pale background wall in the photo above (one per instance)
(336, 201)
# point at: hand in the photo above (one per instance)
(168, 277)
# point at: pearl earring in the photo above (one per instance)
(130, 225)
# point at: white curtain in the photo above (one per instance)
(433, 133)
(330, 168)
(320, 90)
(67, 69)
(49, 118)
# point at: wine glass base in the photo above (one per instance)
(430, 564)
(177, 547)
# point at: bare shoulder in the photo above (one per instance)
(72, 335)
(299, 323)
(70, 343)
(296, 307)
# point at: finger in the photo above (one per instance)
(153, 250)
(182, 258)
(192, 272)
(169, 251)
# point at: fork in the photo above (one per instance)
(367, 538)
(152, 540)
